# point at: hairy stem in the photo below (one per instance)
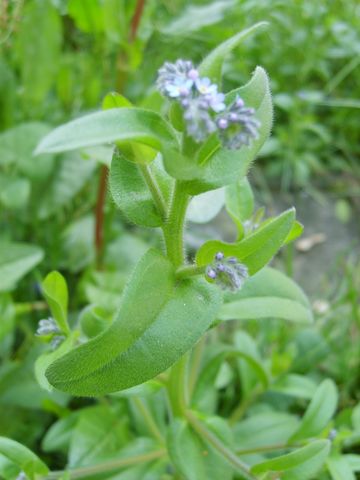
(154, 188)
(174, 226)
(213, 440)
(149, 420)
(85, 472)
(189, 271)
(177, 386)
(99, 215)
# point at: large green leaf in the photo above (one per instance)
(257, 249)
(16, 148)
(56, 293)
(100, 432)
(339, 468)
(218, 166)
(117, 124)
(130, 191)
(37, 47)
(16, 260)
(276, 429)
(319, 412)
(194, 458)
(158, 321)
(212, 64)
(70, 176)
(24, 458)
(302, 464)
(269, 293)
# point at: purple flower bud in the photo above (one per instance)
(210, 272)
(239, 102)
(222, 123)
(219, 256)
(193, 74)
(233, 117)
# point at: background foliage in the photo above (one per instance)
(59, 59)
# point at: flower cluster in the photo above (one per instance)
(204, 108)
(227, 272)
(48, 327)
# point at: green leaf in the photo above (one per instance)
(216, 166)
(130, 191)
(294, 233)
(117, 124)
(302, 464)
(192, 456)
(205, 206)
(56, 293)
(16, 148)
(100, 432)
(276, 429)
(339, 468)
(94, 319)
(59, 434)
(319, 412)
(196, 17)
(354, 461)
(38, 50)
(246, 349)
(15, 194)
(87, 15)
(295, 385)
(269, 293)
(154, 327)
(115, 100)
(239, 202)
(212, 64)
(70, 176)
(42, 362)
(27, 461)
(16, 260)
(257, 249)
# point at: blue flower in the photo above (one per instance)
(205, 87)
(176, 79)
(227, 272)
(198, 120)
(237, 125)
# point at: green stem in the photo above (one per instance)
(85, 472)
(210, 438)
(149, 420)
(27, 307)
(189, 271)
(177, 386)
(195, 364)
(174, 226)
(154, 188)
(269, 448)
(243, 406)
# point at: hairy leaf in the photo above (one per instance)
(158, 321)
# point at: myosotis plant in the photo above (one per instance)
(206, 139)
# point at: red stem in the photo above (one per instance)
(101, 196)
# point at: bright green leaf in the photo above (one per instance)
(257, 249)
(212, 64)
(319, 412)
(117, 124)
(339, 468)
(56, 293)
(23, 457)
(302, 464)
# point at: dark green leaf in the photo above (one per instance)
(154, 327)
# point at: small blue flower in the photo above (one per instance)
(217, 102)
(198, 120)
(205, 87)
(174, 78)
(237, 125)
(47, 326)
(227, 272)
